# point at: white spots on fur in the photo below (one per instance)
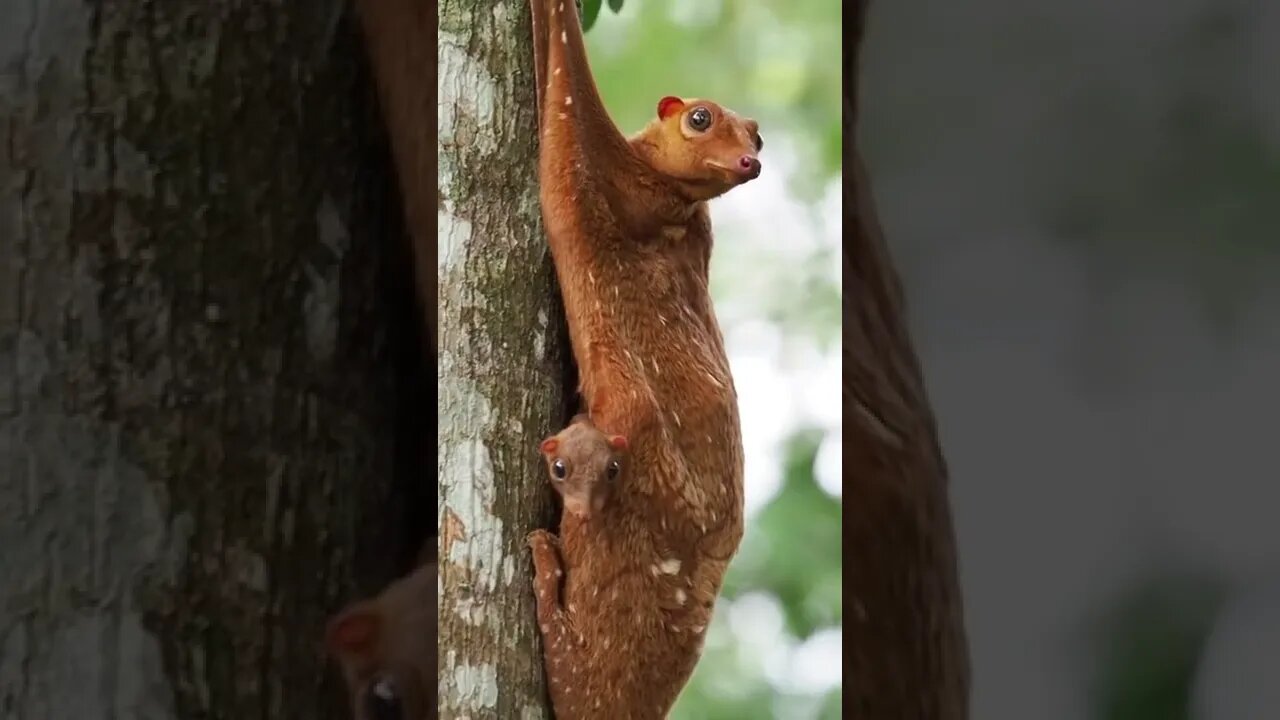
(562, 116)
(591, 277)
(675, 416)
(670, 566)
(656, 371)
(680, 596)
(556, 71)
(568, 99)
(653, 570)
(564, 37)
(559, 572)
(713, 380)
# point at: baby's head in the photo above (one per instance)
(585, 466)
(386, 646)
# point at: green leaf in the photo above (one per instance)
(1151, 641)
(590, 11)
(792, 550)
(615, 5)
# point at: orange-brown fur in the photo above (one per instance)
(630, 236)
(584, 466)
(391, 640)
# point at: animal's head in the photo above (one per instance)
(708, 148)
(585, 466)
(387, 649)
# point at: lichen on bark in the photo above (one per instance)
(501, 361)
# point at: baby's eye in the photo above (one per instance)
(558, 469)
(700, 119)
(382, 701)
(613, 469)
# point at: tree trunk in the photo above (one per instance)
(501, 364)
(906, 638)
(204, 322)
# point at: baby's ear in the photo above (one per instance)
(618, 442)
(549, 445)
(353, 633)
(669, 106)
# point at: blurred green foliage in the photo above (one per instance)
(1147, 646)
(775, 60)
(779, 62)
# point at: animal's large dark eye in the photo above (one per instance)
(558, 469)
(613, 469)
(382, 701)
(759, 143)
(700, 119)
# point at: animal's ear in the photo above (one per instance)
(549, 445)
(354, 631)
(618, 442)
(669, 106)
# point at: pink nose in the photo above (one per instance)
(750, 166)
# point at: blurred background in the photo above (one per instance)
(1084, 198)
(773, 650)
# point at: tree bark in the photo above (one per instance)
(906, 638)
(203, 338)
(501, 368)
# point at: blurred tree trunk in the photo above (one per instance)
(202, 338)
(501, 365)
(906, 637)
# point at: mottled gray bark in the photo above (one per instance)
(502, 351)
(196, 378)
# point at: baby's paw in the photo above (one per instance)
(541, 538)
